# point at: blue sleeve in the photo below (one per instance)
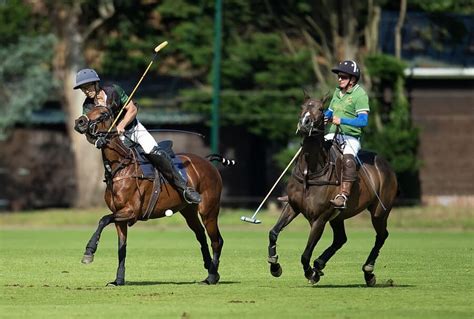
(328, 113)
(360, 121)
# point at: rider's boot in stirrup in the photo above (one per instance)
(349, 175)
(161, 160)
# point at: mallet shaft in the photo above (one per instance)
(274, 185)
(158, 48)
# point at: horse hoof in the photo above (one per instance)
(115, 283)
(309, 273)
(87, 259)
(212, 279)
(370, 279)
(314, 278)
(276, 270)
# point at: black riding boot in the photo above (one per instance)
(162, 161)
(349, 175)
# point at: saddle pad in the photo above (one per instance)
(149, 170)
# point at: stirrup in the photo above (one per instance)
(191, 196)
(341, 206)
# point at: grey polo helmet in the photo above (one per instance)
(348, 67)
(85, 76)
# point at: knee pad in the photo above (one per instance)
(349, 168)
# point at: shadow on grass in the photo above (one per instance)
(384, 285)
(156, 283)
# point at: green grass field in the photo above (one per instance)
(424, 270)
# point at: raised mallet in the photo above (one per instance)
(257, 221)
(157, 49)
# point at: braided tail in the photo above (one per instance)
(219, 158)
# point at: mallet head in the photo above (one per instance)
(161, 46)
(250, 220)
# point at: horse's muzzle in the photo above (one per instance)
(80, 124)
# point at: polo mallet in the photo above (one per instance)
(158, 48)
(257, 221)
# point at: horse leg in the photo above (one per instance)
(122, 229)
(217, 242)
(339, 239)
(315, 234)
(190, 215)
(379, 221)
(287, 215)
(91, 246)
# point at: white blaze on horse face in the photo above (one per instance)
(304, 120)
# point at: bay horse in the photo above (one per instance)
(132, 197)
(314, 181)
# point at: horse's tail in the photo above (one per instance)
(219, 158)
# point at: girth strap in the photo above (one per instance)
(316, 179)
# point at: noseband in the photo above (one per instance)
(92, 125)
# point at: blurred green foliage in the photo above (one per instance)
(390, 131)
(26, 79)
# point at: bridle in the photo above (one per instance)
(307, 123)
(91, 127)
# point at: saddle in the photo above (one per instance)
(158, 180)
(149, 172)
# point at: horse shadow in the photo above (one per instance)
(156, 283)
(382, 285)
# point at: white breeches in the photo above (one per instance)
(140, 135)
(349, 144)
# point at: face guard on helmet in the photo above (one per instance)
(348, 67)
(85, 76)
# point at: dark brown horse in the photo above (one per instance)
(314, 181)
(128, 195)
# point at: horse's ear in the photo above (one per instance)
(325, 98)
(306, 95)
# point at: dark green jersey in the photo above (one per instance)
(116, 99)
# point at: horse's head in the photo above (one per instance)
(311, 120)
(95, 123)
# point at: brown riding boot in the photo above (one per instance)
(349, 175)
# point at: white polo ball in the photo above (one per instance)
(168, 213)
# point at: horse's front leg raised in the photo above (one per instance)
(122, 253)
(317, 228)
(91, 246)
(287, 215)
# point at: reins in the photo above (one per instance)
(314, 178)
